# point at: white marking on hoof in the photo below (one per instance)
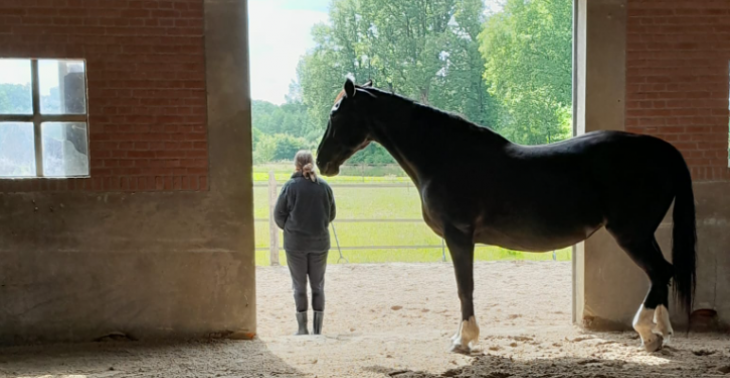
(466, 337)
(643, 324)
(653, 326)
(663, 325)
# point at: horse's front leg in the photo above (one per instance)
(461, 248)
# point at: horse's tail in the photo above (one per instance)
(684, 237)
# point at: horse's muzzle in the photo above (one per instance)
(328, 169)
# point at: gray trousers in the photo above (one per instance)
(301, 265)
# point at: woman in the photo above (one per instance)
(304, 210)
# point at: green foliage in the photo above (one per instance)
(287, 146)
(372, 154)
(510, 71)
(527, 49)
(279, 131)
(264, 147)
(277, 147)
(289, 118)
(425, 50)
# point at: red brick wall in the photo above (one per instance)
(677, 78)
(146, 86)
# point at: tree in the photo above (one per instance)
(279, 131)
(427, 50)
(15, 99)
(287, 146)
(277, 147)
(527, 49)
(510, 71)
(289, 118)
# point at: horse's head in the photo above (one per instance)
(347, 130)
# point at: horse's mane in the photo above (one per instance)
(450, 120)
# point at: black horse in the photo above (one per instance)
(528, 198)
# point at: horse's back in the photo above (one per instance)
(633, 176)
(558, 194)
(606, 156)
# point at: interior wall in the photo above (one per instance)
(145, 65)
(76, 265)
(653, 67)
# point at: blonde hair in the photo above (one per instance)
(304, 162)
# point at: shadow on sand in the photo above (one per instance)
(682, 361)
(218, 358)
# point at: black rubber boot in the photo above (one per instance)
(302, 320)
(317, 326)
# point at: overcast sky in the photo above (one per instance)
(279, 34)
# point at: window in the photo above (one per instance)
(43, 118)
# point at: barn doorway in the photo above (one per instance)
(388, 273)
(466, 67)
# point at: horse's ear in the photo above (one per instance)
(368, 84)
(349, 88)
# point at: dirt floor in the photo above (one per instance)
(395, 320)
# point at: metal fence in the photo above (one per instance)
(274, 245)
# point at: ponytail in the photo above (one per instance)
(308, 172)
(304, 162)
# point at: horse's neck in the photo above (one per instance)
(417, 139)
(395, 131)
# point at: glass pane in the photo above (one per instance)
(62, 86)
(16, 93)
(17, 150)
(65, 152)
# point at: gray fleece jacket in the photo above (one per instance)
(304, 211)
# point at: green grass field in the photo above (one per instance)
(374, 203)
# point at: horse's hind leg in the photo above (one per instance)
(652, 320)
(661, 314)
(461, 248)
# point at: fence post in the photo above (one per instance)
(273, 228)
(443, 250)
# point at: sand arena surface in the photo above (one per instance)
(395, 320)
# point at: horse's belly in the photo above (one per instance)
(526, 241)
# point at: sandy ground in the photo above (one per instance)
(395, 320)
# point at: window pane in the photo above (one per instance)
(17, 150)
(62, 86)
(65, 152)
(16, 93)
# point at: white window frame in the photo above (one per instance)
(38, 118)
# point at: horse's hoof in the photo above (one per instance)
(666, 335)
(654, 344)
(664, 332)
(460, 349)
